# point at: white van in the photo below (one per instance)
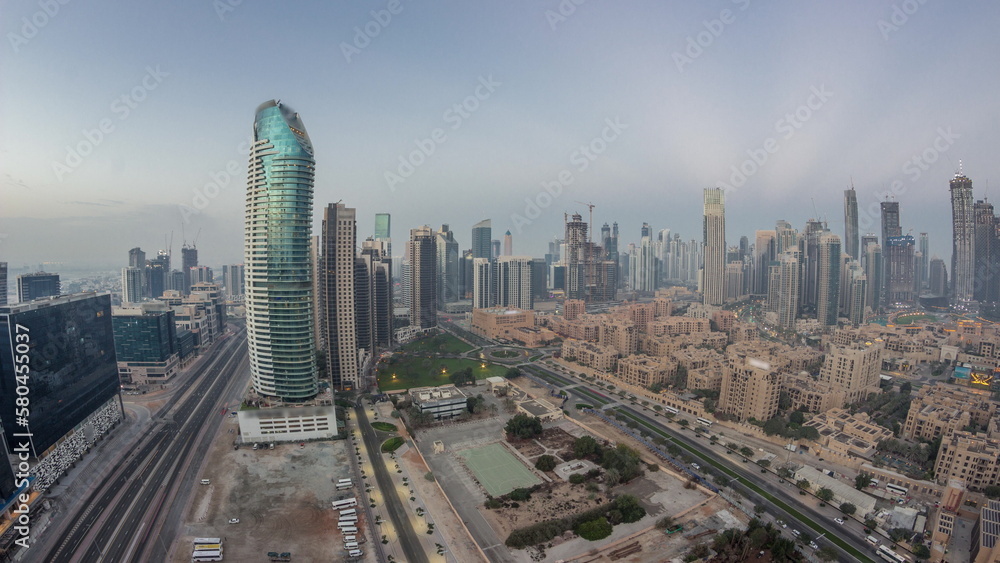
(348, 539)
(872, 540)
(350, 530)
(355, 553)
(351, 545)
(206, 482)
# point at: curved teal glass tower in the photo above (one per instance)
(277, 233)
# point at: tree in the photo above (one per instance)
(759, 509)
(871, 523)
(905, 388)
(545, 462)
(520, 494)
(624, 461)
(684, 422)
(764, 463)
(806, 537)
(784, 401)
(512, 373)
(921, 552)
(775, 426)
(585, 446)
(848, 508)
(594, 530)
(824, 494)
(523, 426)
(992, 491)
(797, 417)
(629, 508)
(577, 478)
(746, 452)
(664, 523)
(804, 484)
(862, 480)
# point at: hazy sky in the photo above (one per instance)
(664, 99)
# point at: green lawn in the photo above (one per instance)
(392, 444)
(910, 319)
(412, 372)
(441, 343)
(384, 426)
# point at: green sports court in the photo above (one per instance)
(497, 469)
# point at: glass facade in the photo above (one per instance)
(277, 233)
(150, 337)
(71, 353)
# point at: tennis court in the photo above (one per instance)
(497, 469)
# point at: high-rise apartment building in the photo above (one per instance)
(279, 271)
(789, 278)
(890, 228)
(828, 279)
(873, 267)
(962, 238)
(159, 274)
(131, 285)
(383, 232)
(3, 284)
(985, 253)
(338, 324)
(483, 283)
(233, 277)
(923, 267)
(137, 259)
(482, 235)
(514, 282)
(37, 286)
(373, 283)
(765, 251)
(714, 244)
(857, 300)
(937, 280)
(851, 247)
(448, 274)
(576, 257)
(508, 244)
(423, 278)
(900, 270)
(189, 259)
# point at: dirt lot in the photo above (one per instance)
(282, 498)
(553, 499)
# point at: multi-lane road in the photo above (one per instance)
(133, 515)
(815, 520)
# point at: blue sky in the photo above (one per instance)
(922, 83)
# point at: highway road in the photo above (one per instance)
(125, 518)
(787, 493)
(397, 512)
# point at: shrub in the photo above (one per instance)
(545, 463)
(520, 494)
(594, 530)
(577, 478)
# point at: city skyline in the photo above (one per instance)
(663, 139)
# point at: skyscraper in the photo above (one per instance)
(962, 236)
(514, 275)
(3, 284)
(714, 243)
(448, 275)
(765, 252)
(483, 283)
(189, 259)
(576, 258)
(985, 252)
(851, 223)
(233, 277)
(899, 270)
(37, 285)
(789, 278)
(828, 290)
(383, 232)
(482, 236)
(890, 228)
(131, 285)
(374, 296)
(279, 274)
(423, 278)
(495, 248)
(338, 323)
(508, 244)
(925, 252)
(159, 274)
(874, 271)
(937, 279)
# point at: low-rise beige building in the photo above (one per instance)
(677, 325)
(849, 435)
(498, 322)
(620, 334)
(971, 457)
(589, 354)
(939, 410)
(644, 371)
(810, 394)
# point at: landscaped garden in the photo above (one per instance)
(406, 372)
(384, 426)
(440, 343)
(392, 444)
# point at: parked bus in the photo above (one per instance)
(345, 481)
(896, 489)
(344, 486)
(347, 524)
(349, 530)
(889, 555)
(346, 503)
(348, 512)
(348, 519)
(671, 410)
(209, 555)
(208, 547)
(704, 421)
(207, 540)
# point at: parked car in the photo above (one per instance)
(795, 533)
(234, 520)
(839, 520)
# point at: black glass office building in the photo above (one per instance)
(68, 344)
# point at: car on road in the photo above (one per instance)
(839, 520)
(234, 520)
(795, 533)
(813, 545)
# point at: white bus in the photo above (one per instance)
(348, 512)
(704, 421)
(896, 489)
(207, 540)
(347, 524)
(344, 486)
(349, 530)
(208, 555)
(889, 555)
(671, 410)
(351, 518)
(345, 481)
(208, 547)
(346, 503)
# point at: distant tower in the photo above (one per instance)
(788, 280)
(279, 270)
(383, 232)
(423, 278)
(482, 235)
(925, 252)
(851, 223)
(189, 259)
(890, 228)
(874, 270)
(37, 285)
(495, 248)
(508, 244)
(131, 285)
(828, 290)
(575, 258)
(714, 244)
(3, 284)
(448, 287)
(962, 236)
(899, 271)
(338, 322)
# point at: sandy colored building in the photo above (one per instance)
(849, 436)
(497, 322)
(810, 394)
(622, 335)
(971, 457)
(750, 389)
(673, 326)
(939, 410)
(854, 369)
(574, 308)
(644, 371)
(589, 354)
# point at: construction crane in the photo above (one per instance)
(590, 230)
